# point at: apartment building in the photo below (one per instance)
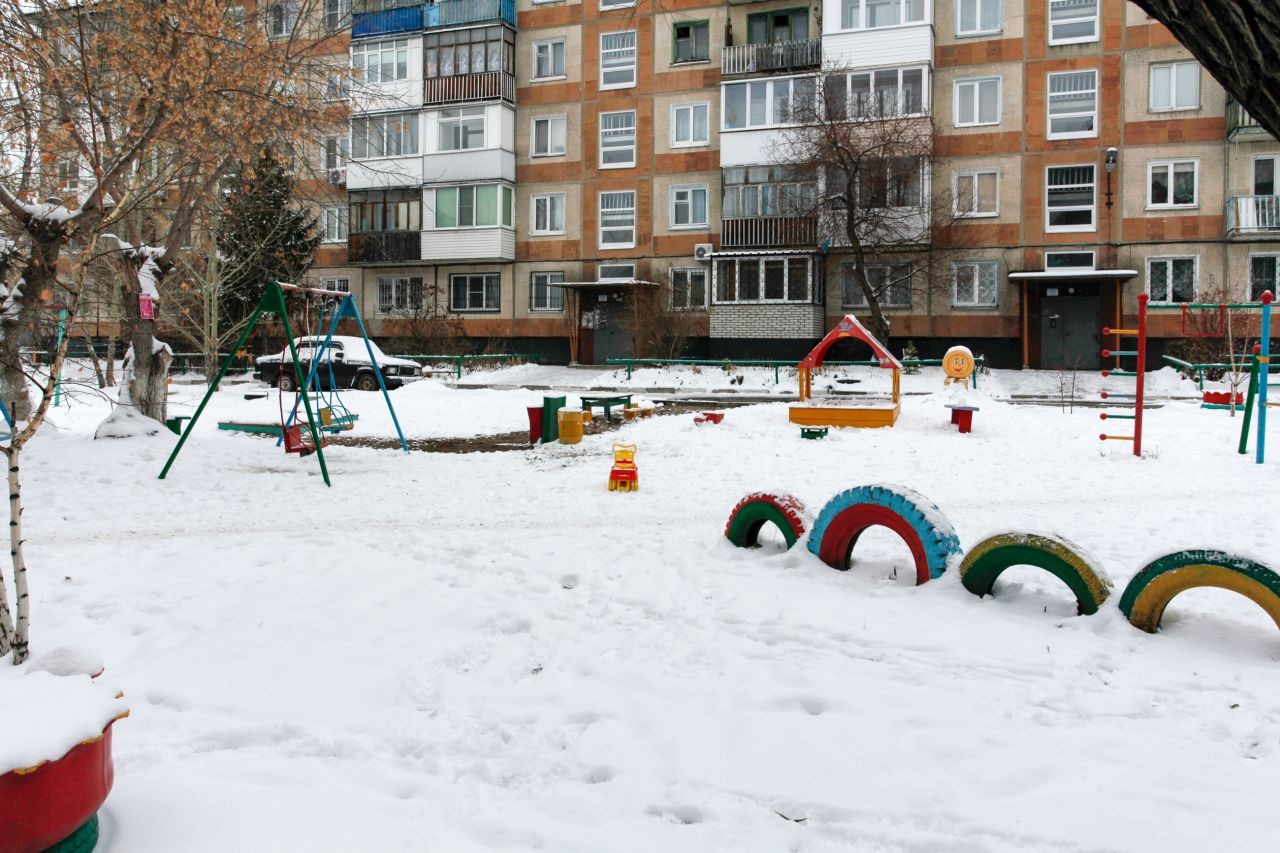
(524, 167)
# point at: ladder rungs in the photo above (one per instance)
(1119, 331)
(1110, 353)
(1108, 416)
(1116, 437)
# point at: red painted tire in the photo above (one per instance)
(787, 513)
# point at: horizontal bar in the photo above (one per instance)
(1108, 353)
(1107, 395)
(1108, 416)
(1119, 373)
(1105, 437)
(1119, 331)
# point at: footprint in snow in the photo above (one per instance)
(686, 815)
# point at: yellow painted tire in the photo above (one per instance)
(1149, 593)
(990, 557)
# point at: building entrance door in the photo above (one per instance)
(612, 338)
(1070, 330)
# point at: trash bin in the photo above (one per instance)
(550, 428)
(535, 424)
(570, 426)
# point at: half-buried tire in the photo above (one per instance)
(1149, 593)
(987, 560)
(786, 512)
(927, 532)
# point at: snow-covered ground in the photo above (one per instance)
(490, 652)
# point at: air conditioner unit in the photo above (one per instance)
(338, 176)
(702, 251)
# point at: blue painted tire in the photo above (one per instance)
(927, 532)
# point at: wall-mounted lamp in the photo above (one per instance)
(1110, 165)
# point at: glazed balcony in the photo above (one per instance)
(377, 247)
(372, 18)
(1240, 123)
(769, 232)
(1253, 216)
(460, 88)
(778, 56)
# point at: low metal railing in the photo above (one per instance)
(459, 360)
(774, 56)
(487, 85)
(777, 365)
(1253, 214)
(771, 232)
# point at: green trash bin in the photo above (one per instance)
(551, 407)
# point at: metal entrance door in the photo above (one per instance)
(1070, 334)
(612, 339)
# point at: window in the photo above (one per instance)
(1264, 275)
(282, 17)
(548, 59)
(763, 279)
(977, 102)
(891, 284)
(886, 182)
(393, 135)
(616, 272)
(455, 52)
(340, 284)
(777, 26)
(618, 60)
(1073, 21)
(688, 289)
(616, 4)
(337, 14)
(973, 283)
(381, 61)
(545, 292)
(548, 214)
(68, 175)
(235, 14)
(1172, 280)
(1175, 86)
(461, 128)
(1069, 198)
(1069, 260)
(978, 17)
(399, 293)
(755, 191)
(473, 206)
(1073, 104)
(548, 136)
(760, 103)
(688, 207)
(977, 193)
(1264, 174)
(884, 92)
(475, 292)
(337, 87)
(617, 220)
(690, 124)
(1172, 183)
(333, 224)
(337, 151)
(618, 140)
(691, 42)
(392, 210)
(872, 14)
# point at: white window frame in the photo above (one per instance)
(288, 18)
(886, 298)
(770, 85)
(692, 110)
(485, 307)
(550, 44)
(1173, 86)
(875, 106)
(620, 51)
(408, 121)
(503, 191)
(689, 273)
(1168, 166)
(978, 266)
(630, 276)
(861, 22)
(334, 223)
(1048, 105)
(1168, 260)
(465, 115)
(340, 283)
(973, 176)
(976, 83)
(547, 200)
(1093, 259)
(1095, 17)
(675, 25)
(1274, 159)
(395, 47)
(606, 5)
(337, 14)
(546, 303)
(692, 190)
(1092, 208)
(634, 221)
(979, 30)
(619, 132)
(1275, 282)
(552, 121)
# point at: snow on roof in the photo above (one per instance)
(849, 327)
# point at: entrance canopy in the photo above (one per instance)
(1079, 273)
(849, 327)
(608, 282)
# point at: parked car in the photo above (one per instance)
(350, 361)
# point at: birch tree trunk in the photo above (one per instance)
(22, 624)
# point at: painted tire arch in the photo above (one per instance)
(927, 532)
(1160, 581)
(786, 512)
(987, 560)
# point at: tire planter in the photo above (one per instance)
(1149, 593)
(927, 532)
(53, 806)
(786, 512)
(989, 558)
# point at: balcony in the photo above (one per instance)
(384, 246)
(776, 56)
(453, 13)
(478, 164)
(1240, 123)
(770, 232)
(1253, 215)
(387, 17)
(486, 86)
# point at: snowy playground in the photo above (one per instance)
(490, 651)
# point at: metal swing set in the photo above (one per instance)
(329, 414)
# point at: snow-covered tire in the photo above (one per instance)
(786, 512)
(1150, 591)
(927, 532)
(83, 840)
(989, 558)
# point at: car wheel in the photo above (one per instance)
(366, 382)
(287, 383)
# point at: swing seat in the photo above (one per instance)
(299, 442)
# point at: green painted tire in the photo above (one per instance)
(786, 512)
(1150, 591)
(987, 560)
(82, 840)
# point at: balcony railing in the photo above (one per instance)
(776, 56)
(772, 232)
(452, 13)
(385, 17)
(1239, 120)
(1253, 214)
(486, 86)
(382, 246)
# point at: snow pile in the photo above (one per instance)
(45, 715)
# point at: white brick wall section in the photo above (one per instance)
(768, 321)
